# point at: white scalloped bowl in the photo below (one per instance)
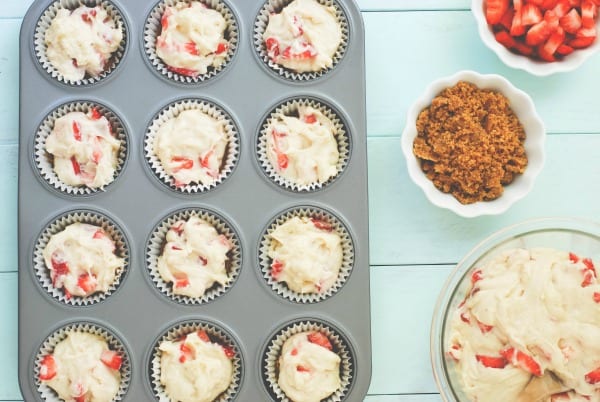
(523, 107)
(532, 66)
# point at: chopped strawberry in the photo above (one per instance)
(183, 71)
(191, 48)
(575, 3)
(97, 154)
(229, 352)
(589, 264)
(302, 369)
(282, 161)
(176, 248)
(494, 10)
(222, 48)
(517, 28)
(203, 260)
(164, 21)
(320, 339)
(537, 3)
(562, 8)
(465, 317)
(80, 398)
(553, 43)
(99, 234)
(597, 297)
(272, 47)
(492, 361)
(562, 396)
(95, 114)
(523, 48)
(276, 268)
(321, 225)
(47, 368)
(548, 4)
(484, 328)
(203, 335)
(507, 18)
(186, 352)
(205, 161)
(530, 14)
(454, 352)
(522, 360)
(87, 283)
(310, 119)
(76, 130)
(111, 359)
(589, 11)
(76, 167)
(564, 50)
(505, 39)
(182, 283)
(572, 256)
(571, 22)
(552, 19)
(588, 278)
(476, 276)
(184, 163)
(538, 33)
(294, 352)
(593, 377)
(86, 18)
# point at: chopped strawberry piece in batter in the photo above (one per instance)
(183, 71)
(95, 114)
(276, 268)
(597, 297)
(76, 167)
(573, 257)
(186, 353)
(181, 280)
(203, 260)
(272, 47)
(191, 48)
(310, 119)
(47, 368)
(178, 228)
(87, 283)
(302, 369)
(282, 160)
(484, 327)
(77, 131)
(80, 398)
(111, 359)
(229, 352)
(222, 48)
(476, 276)
(184, 163)
(593, 377)
(321, 225)
(294, 352)
(319, 339)
(454, 352)
(492, 361)
(203, 335)
(164, 21)
(522, 360)
(205, 161)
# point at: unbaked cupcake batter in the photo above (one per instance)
(191, 147)
(84, 148)
(306, 254)
(194, 257)
(192, 38)
(303, 148)
(81, 41)
(82, 260)
(82, 368)
(309, 370)
(195, 369)
(303, 37)
(528, 313)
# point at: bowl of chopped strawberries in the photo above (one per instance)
(542, 37)
(518, 319)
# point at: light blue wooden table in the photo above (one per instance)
(413, 244)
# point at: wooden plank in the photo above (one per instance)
(442, 43)
(405, 228)
(9, 387)
(8, 208)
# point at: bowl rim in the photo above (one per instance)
(462, 268)
(534, 144)
(535, 67)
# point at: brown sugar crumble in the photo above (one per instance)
(470, 143)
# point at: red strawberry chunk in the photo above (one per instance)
(589, 11)
(321, 225)
(593, 377)
(538, 33)
(507, 18)
(523, 48)
(229, 352)
(302, 369)
(272, 45)
(552, 44)
(597, 297)
(203, 260)
(320, 339)
(484, 328)
(589, 264)
(552, 19)
(111, 359)
(492, 361)
(76, 130)
(183, 71)
(505, 39)
(205, 161)
(222, 48)
(294, 352)
(476, 276)
(572, 256)
(203, 335)
(548, 4)
(184, 163)
(494, 10)
(164, 21)
(99, 234)
(47, 368)
(522, 360)
(191, 48)
(186, 352)
(182, 282)
(517, 28)
(571, 22)
(76, 167)
(282, 160)
(276, 268)
(310, 119)
(530, 14)
(564, 50)
(80, 398)
(95, 114)
(562, 7)
(87, 283)
(588, 278)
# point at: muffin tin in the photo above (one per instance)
(251, 312)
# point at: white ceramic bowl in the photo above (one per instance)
(532, 66)
(562, 233)
(523, 107)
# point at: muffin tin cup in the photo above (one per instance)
(270, 366)
(114, 343)
(157, 241)
(275, 7)
(218, 335)
(43, 161)
(152, 30)
(290, 108)
(44, 22)
(265, 261)
(42, 272)
(230, 158)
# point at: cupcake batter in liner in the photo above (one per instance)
(275, 7)
(44, 161)
(153, 28)
(217, 335)
(230, 158)
(114, 343)
(46, 20)
(157, 241)
(265, 262)
(341, 346)
(290, 108)
(57, 225)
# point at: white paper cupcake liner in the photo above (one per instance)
(114, 343)
(57, 225)
(217, 335)
(275, 7)
(152, 30)
(347, 254)
(341, 346)
(157, 241)
(171, 111)
(44, 23)
(44, 160)
(290, 108)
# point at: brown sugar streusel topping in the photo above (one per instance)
(470, 143)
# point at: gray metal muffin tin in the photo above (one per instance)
(137, 312)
